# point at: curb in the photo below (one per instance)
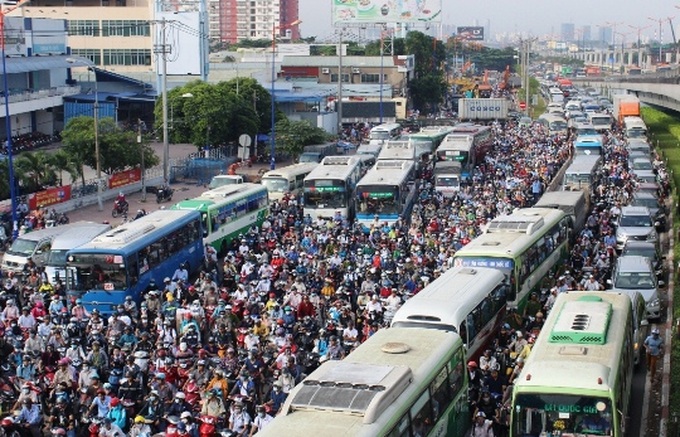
(668, 332)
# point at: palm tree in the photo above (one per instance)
(62, 162)
(37, 169)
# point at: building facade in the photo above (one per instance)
(254, 19)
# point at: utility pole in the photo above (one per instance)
(163, 50)
(141, 152)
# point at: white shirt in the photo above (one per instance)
(262, 421)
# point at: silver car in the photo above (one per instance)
(635, 223)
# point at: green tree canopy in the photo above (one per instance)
(118, 149)
(293, 136)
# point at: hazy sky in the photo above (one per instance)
(539, 17)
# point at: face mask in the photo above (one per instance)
(277, 389)
(260, 414)
(25, 391)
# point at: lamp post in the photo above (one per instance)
(8, 122)
(90, 66)
(272, 158)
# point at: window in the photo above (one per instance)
(345, 78)
(421, 415)
(125, 28)
(94, 55)
(127, 57)
(372, 78)
(83, 27)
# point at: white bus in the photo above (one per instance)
(577, 380)
(55, 261)
(289, 179)
(330, 187)
(398, 149)
(387, 131)
(526, 245)
(634, 127)
(469, 302)
(399, 382)
(387, 192)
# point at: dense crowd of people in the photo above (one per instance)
(232, 343)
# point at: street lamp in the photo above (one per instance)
(8, 122)
(272, 158)
(90, 67)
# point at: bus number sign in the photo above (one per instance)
(108, 286)
(566, 408)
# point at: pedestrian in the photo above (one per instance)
(654, 348)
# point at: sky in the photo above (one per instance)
(529, 17)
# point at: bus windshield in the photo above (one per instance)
(558, 125)
(576, 179)
(99, 271)
(636, 133)
(453, 155)
(324, 194)
(447, 181)
(276, 185)
(546, 414)
(379, 200)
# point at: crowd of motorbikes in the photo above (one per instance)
(30, 141)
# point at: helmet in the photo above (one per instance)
(180, 395)
(655, 331)
(139, 419)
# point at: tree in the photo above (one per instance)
(62, 162)
(293, 136)
(427, 91)
(118, 149)
(37, 169)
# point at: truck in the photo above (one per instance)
(626, 105)
(483, 109)
(224, 179)
(317, 152)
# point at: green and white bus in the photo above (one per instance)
(588, 341)
(387, 192)
(287, 180)
(525, 245)
(228, 211)
(329, 188)
(399, 382)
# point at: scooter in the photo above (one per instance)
(119, 208)
(163, 194)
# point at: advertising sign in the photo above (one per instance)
(16, 41)
(48, 36)
(471, 33)
(50, 196)
(125, 178)
(386, 11)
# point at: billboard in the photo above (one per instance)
(382, 11)
(184, 39)
(471, 33)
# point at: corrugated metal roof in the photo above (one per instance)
(332, 61)
(36, 63)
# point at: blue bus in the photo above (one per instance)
(123, 261)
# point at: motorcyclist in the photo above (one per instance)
(121, 202)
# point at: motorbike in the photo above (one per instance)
(209, 428)
(163, 194)
(119, 208)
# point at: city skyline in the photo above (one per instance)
(526, 17)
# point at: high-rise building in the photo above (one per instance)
(587, 33)
(567, 32)
(605, 35)
(254, 19)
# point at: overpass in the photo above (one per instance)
(660, 89)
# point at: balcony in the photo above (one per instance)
(22, 101)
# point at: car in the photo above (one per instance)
(657, 210)
(635, 223)
(649, 187)
(642, 163)
(525, 121)
(645, 176)
(647, 249)
(639, 144)
(636, 273)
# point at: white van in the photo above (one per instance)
(287, 179)
(35, 245)
(55, 261)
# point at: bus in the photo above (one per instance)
(447, 177)
(526, 245)
(387, 131)
(588, 145)
(467, 144)
(122, 262)
(582, 174)
(634, 127)
(387, 192)
(554, 124)
(330, 187)
(469, 302)
(587, 340)
(399, 382)
(601, 121)
(229, 211)
(398, 149)
(428, 139)
(55, 260)
(289, 179)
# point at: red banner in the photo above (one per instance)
(50, 196)
(125, 178)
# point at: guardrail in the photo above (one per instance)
(41, 94)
